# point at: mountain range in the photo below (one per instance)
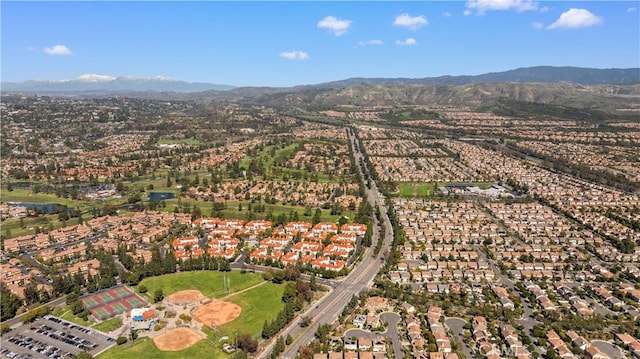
(105, 83)
(109, 84)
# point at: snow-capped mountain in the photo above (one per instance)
(95, 82)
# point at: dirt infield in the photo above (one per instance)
(219, 312)
(177, 339)
(186, 297)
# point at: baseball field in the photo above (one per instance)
(242, 308)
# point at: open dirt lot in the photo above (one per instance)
(185, 297)
(220, 312)
(177, 339)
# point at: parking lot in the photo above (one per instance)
(51, 337)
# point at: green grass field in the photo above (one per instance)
(66, 314)
(145, 348)
(409, 190)
(258, 304)
(109, 325)
(207, 282)
(481, 185)
(27, 196)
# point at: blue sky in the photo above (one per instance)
(295, 43)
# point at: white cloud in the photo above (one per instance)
(371, 42)
(538, 25)
(446, 14)
(632, 9)
(408, 42)
(481, 6)
(59, 50)
(410, 22)
(335, 25)
(575, 19)
(467, 12)
(295, 55)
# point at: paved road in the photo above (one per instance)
(52, 304)
(610, 349)
(456, 325)
(392, 320)
(329, 307)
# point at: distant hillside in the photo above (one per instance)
(477, 96)
(102, 85)
(578, 75)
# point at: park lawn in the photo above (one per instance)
(27, 196)
(406, 190)
(258, 304)
(481, 185)
(424, 190)
(66, 314)
(421, 190)
(287, 152)
(145, 348)
(109, 325)
(276, 210)
(207, 282)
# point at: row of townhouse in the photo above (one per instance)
(434, 321)
(377, 344)
(59, 254)
(630, 343)
(27, 242)
(559, 346)
(541, 297)
(351, 355)
(482, 338)
(457, 275)
(259, 226)
(441, 265)
(11, 274)
(311, 249)
(513, 343)
(590, 350)
(503, 296)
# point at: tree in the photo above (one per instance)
(9, 303)
(291, 273)
(31, 294)
(158, 296)
(246, 342)
(142, 289)
(82, 355)
(317, 216)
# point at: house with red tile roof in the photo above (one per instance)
(266, 253)
(328, 263)
(338, 250)
(297, 227)
(192, 242)
(354, 228)
(325, 227)
(307, 248)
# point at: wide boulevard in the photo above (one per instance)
(327, 309)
